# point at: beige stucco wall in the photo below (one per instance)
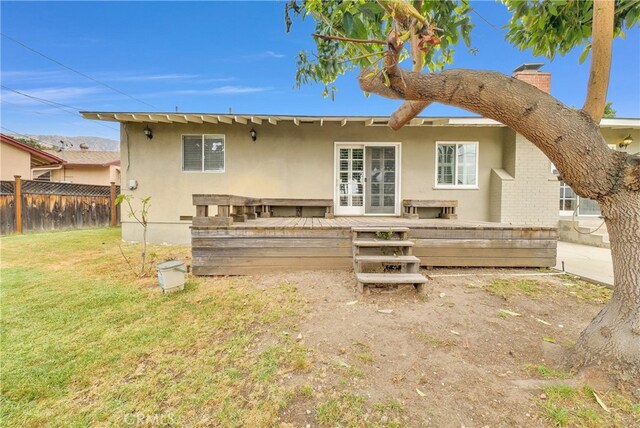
(100, 175)
(14, 161)
(287, 161)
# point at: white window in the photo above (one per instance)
(457, 165)
(203, 153)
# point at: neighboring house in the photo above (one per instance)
(17, 158)
(84, 167)
(358, 162)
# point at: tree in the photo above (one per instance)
(371, 36)
(609, 111)
(142, 218)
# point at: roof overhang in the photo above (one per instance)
(249, 119)
(38, 157)
(258, 119)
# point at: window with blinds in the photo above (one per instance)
(203, 153)
(457, 164)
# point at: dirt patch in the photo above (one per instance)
(476, 350)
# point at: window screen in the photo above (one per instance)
(203, 153)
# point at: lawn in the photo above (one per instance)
(87, 343)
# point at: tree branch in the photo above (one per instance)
(350, 39)
(403, 12)
(356, 58)
(601, 41)
(410, 109)
(407, 111)
(569, 138)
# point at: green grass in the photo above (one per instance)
(568, 406)
(509, 287)
(84, 342)
(534, 288)
(548, 372)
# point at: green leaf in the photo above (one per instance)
(347, 23)
(359, 29)
(585, 53)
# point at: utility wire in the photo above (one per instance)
(42, 100)
(77, 72)
(59, 106)
(16, 133)
(485, 19)
(23, 108)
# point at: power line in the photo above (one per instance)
(24, 108)
(59, 106)
(16, 133)
(42, 100)
(77, 72)
(485, 19)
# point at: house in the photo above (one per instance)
(84, 167)
(18, 158)
(350, 167)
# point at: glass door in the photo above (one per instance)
(380, 195)
(350, 180)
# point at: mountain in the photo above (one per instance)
(73, 143)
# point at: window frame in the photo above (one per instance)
(202, 170)
(455, 167)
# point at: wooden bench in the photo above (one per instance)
(447, 207)
(230, 208)
(242, 208)
(268, 203)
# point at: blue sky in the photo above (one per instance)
(213, 56)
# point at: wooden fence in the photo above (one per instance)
(27, 205)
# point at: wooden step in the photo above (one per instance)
(387, 259)
(374, 229)
(415, 279)
(390, 278)
(381, 243)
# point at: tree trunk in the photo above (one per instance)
(573, 142)
(612, 339)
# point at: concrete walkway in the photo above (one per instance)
(588, 262)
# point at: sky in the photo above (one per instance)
(210, 57)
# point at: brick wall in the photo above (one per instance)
(524, 191)
(539, 79)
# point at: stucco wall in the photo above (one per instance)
(14, 161)
(100, 175)
(287, 161)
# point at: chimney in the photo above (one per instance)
(530, 73)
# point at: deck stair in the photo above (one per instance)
(389, 248)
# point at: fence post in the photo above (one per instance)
(114, 216)
(17, 197)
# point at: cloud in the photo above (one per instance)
(33, 76)
(261, 56)
(55, 94)
(140, 77)
(222, 90)
(271, 54)
(18, 77)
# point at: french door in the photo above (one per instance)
(367, 179)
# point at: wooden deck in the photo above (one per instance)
(303, 243)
